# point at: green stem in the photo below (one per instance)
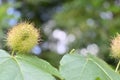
(117, 66)
(12, 53)
(72, 51)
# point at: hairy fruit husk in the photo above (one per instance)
(22, 37)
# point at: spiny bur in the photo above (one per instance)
(115, 47)
(22, 37)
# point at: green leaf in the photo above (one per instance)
(25, 67)
(77, 67)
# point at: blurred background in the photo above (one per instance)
(84, 25)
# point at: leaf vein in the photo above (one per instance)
(101, 69)
(19, 68)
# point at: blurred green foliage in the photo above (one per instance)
(92, 21)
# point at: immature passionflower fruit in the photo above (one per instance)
(115, 47)
(22, 37)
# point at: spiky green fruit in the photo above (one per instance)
(115, 47)
(22, 37)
